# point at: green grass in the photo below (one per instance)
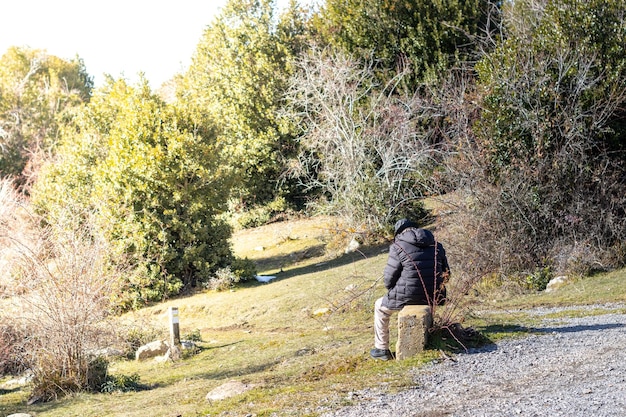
(267, 335)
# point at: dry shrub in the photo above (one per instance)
(63, 290)
(12, 360)
(14, 227)
(223, 280)
(132, 335)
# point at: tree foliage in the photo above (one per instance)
(366, 105)
(156, 181)
(425, 36)
(35, 91)
(238, 76)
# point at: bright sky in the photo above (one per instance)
(116, 37)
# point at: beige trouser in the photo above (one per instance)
(381, 324)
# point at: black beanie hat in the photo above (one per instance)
(403, 224)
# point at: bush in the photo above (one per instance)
(538, 280)
(135, 336)
(551, 137)
(12, 358)
(194, 336)
(97, 373)
(223, 280)
(155, 182)
(244, 269)
(386, 134)
(63, 286)
(52, 380)
(121, 383)
(240, 270)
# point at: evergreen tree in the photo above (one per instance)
(238, 76)
(156, 183)
(427, 37)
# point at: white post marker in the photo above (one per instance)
(174, 327)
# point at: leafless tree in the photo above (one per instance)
(366, 147)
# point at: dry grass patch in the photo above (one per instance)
(264, 334)
(277, 246)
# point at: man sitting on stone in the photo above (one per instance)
(414, 275)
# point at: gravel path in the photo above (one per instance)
(573, 367)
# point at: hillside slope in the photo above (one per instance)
(300, 342)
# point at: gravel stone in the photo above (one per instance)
(568, 367)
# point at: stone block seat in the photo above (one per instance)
(413, 324)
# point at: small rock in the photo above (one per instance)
(227, 390)
(151, 350)
(556, 282)
(321, 311)
(187, 345)
(23, 380)
(352, 246)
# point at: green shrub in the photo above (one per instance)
(97, 371)
(240, 270)
(243, 268)
(121, 383)
(262, 214)
(539, 279)
(154, 179)
(193, 336)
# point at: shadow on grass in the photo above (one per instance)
(498, 331)
(8, 391)
(469, 340)
(503, 329)
(283, 262)
(238, 371)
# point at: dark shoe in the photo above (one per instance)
(382, 354)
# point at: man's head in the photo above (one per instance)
(403, 224)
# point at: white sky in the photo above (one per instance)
(116, 37)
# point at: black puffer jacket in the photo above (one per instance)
(414, 256)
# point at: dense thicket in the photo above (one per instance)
(551, 129)
(424, 37)
(364, 147)
(514, 112)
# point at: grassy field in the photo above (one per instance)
(301, 341)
